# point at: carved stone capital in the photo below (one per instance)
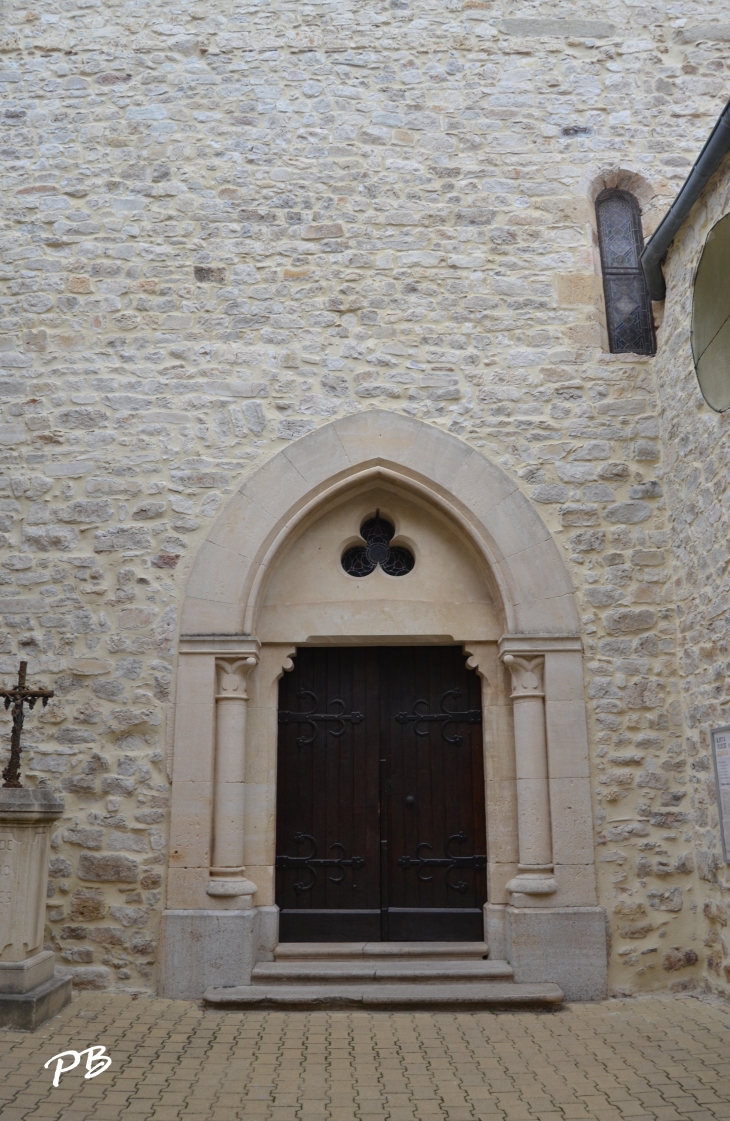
(231, 675)
(527, 675)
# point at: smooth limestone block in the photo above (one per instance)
(241, 522)
(26, 817)
(444, 459)
(377, 435)
(565, 945)
(28, 1011)
(29, 992)
(22, 976)
(412, 997)
(318, 460)
(495, 930)
(204, 949)
(276, 484)
(268, 932)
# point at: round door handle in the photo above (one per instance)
(410, 800)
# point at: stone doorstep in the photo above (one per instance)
(27, 1011)
(436, 971)
(388, 997)
(350, 951)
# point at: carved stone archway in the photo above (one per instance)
(220, 914)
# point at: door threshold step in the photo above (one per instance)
(407, 970)
(352, 951)
(460, 998)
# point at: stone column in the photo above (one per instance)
(535, 866)
(29, 992)
(227, 874)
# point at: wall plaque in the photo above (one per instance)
(721, 754)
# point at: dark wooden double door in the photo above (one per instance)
(380, 806)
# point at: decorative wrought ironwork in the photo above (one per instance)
(18, 696)
(449, 861)
(444, 718)
(361, 560)
(312, 717)
(628, 305)
(312, 863)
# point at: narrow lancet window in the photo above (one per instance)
(628, 306)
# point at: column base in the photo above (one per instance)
(566, 945)
(233, 886)
(207, 949)
(27, 1011)
(525, 884)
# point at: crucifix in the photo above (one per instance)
(18, 696)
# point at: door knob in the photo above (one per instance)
(410, 800)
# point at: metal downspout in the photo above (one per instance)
(706, 165)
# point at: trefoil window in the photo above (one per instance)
(361, 560)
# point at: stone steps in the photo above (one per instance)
(352, 951)
(408, 971)
(386, 997)
(383, 975)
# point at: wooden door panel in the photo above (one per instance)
(435, 816)
(380, 781)
(328, 791)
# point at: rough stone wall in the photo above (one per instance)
(697, 482)
(226, 223)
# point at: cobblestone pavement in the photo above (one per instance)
(653, 1057)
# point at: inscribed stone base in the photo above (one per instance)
(23, 976)
(566, 945)
(28, 1011)
(206, 949)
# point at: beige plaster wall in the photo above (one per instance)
(697, 458)
(224, 225)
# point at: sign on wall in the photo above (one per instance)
(721, 754)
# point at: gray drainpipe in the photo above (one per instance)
(707, 164)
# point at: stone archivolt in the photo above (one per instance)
(298, 548)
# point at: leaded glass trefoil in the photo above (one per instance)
(361, 560)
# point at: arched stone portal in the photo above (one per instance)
(489, 577)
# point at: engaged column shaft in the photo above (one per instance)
(228, 868)
(534, 826)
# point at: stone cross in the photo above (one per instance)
(18, 696)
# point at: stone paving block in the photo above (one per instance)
(279, 1067)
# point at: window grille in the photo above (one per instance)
(628, 306)
(361, 560)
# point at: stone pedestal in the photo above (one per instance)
(213, 949)
(29, 992)
(202, 949)
(566, 945)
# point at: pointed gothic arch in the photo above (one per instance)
(225, 584)
(221, 912)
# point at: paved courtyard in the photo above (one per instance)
(655, 1057)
